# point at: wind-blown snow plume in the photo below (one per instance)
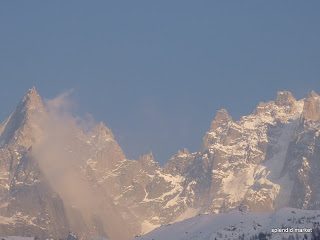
(61, 154)
(55, 156)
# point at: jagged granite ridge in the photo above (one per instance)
(262, 162)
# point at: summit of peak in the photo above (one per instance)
(20, 126)
(101, 126)
(311, 107)
(32, 100)
(223, 111)
(148, 159)
(32, 91)
(313, 94)
(183, 151)
(103, 131)
(285, 98)
(222, 116)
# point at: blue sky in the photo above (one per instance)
(157, 71)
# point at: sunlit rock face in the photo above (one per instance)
(311, 109)
(56, 176)
(28, 205)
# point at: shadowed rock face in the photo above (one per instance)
(28, 204)
(56, 178)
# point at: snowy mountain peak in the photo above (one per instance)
(19, 127)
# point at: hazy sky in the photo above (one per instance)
(157, 71)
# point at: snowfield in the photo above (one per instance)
(240, 225)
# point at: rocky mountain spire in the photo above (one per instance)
(285, 98)
(32, 100)
(148, 160)
(311, 108)
(102, 132)
(222, 116)
(20, 124)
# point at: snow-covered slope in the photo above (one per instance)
(242, 225)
